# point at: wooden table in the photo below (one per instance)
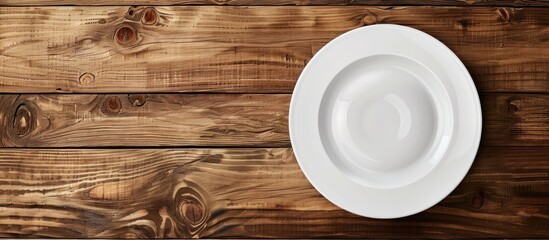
(170, 120)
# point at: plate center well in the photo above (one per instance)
(379, 121)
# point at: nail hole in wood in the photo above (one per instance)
(125, 35)
(150, 16)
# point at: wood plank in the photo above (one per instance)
(111, 193)
(245, 49)
(515, 3)
(515, 119)
(144, 120)
(89, 120)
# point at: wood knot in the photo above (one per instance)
(137, 100)
(512, 108)
(102, 21)
(477, 200)
(369, 19)
(150, 16)
(191, 211)
(191, 208)
(125, 35)
(112, 105)
(86, 78)
(464, 24)
(22, 120)
(131, 11)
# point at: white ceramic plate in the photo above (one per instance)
(385, 121)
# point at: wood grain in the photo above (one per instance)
(246, 193)
(516, 119)
(144, 120)
(89, 120)
(515, 3)
(131, 157)
(245, 49)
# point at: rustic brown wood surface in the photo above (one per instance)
(96, 140)
(144, 120)
(245, 49)
(246, 193)
(516, 3)
(245, 120)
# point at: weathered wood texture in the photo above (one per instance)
(213, 120)
(245, 49)
(144, 120)
(121, 56)
(246, 193)
(515, 119)
(516, 3)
